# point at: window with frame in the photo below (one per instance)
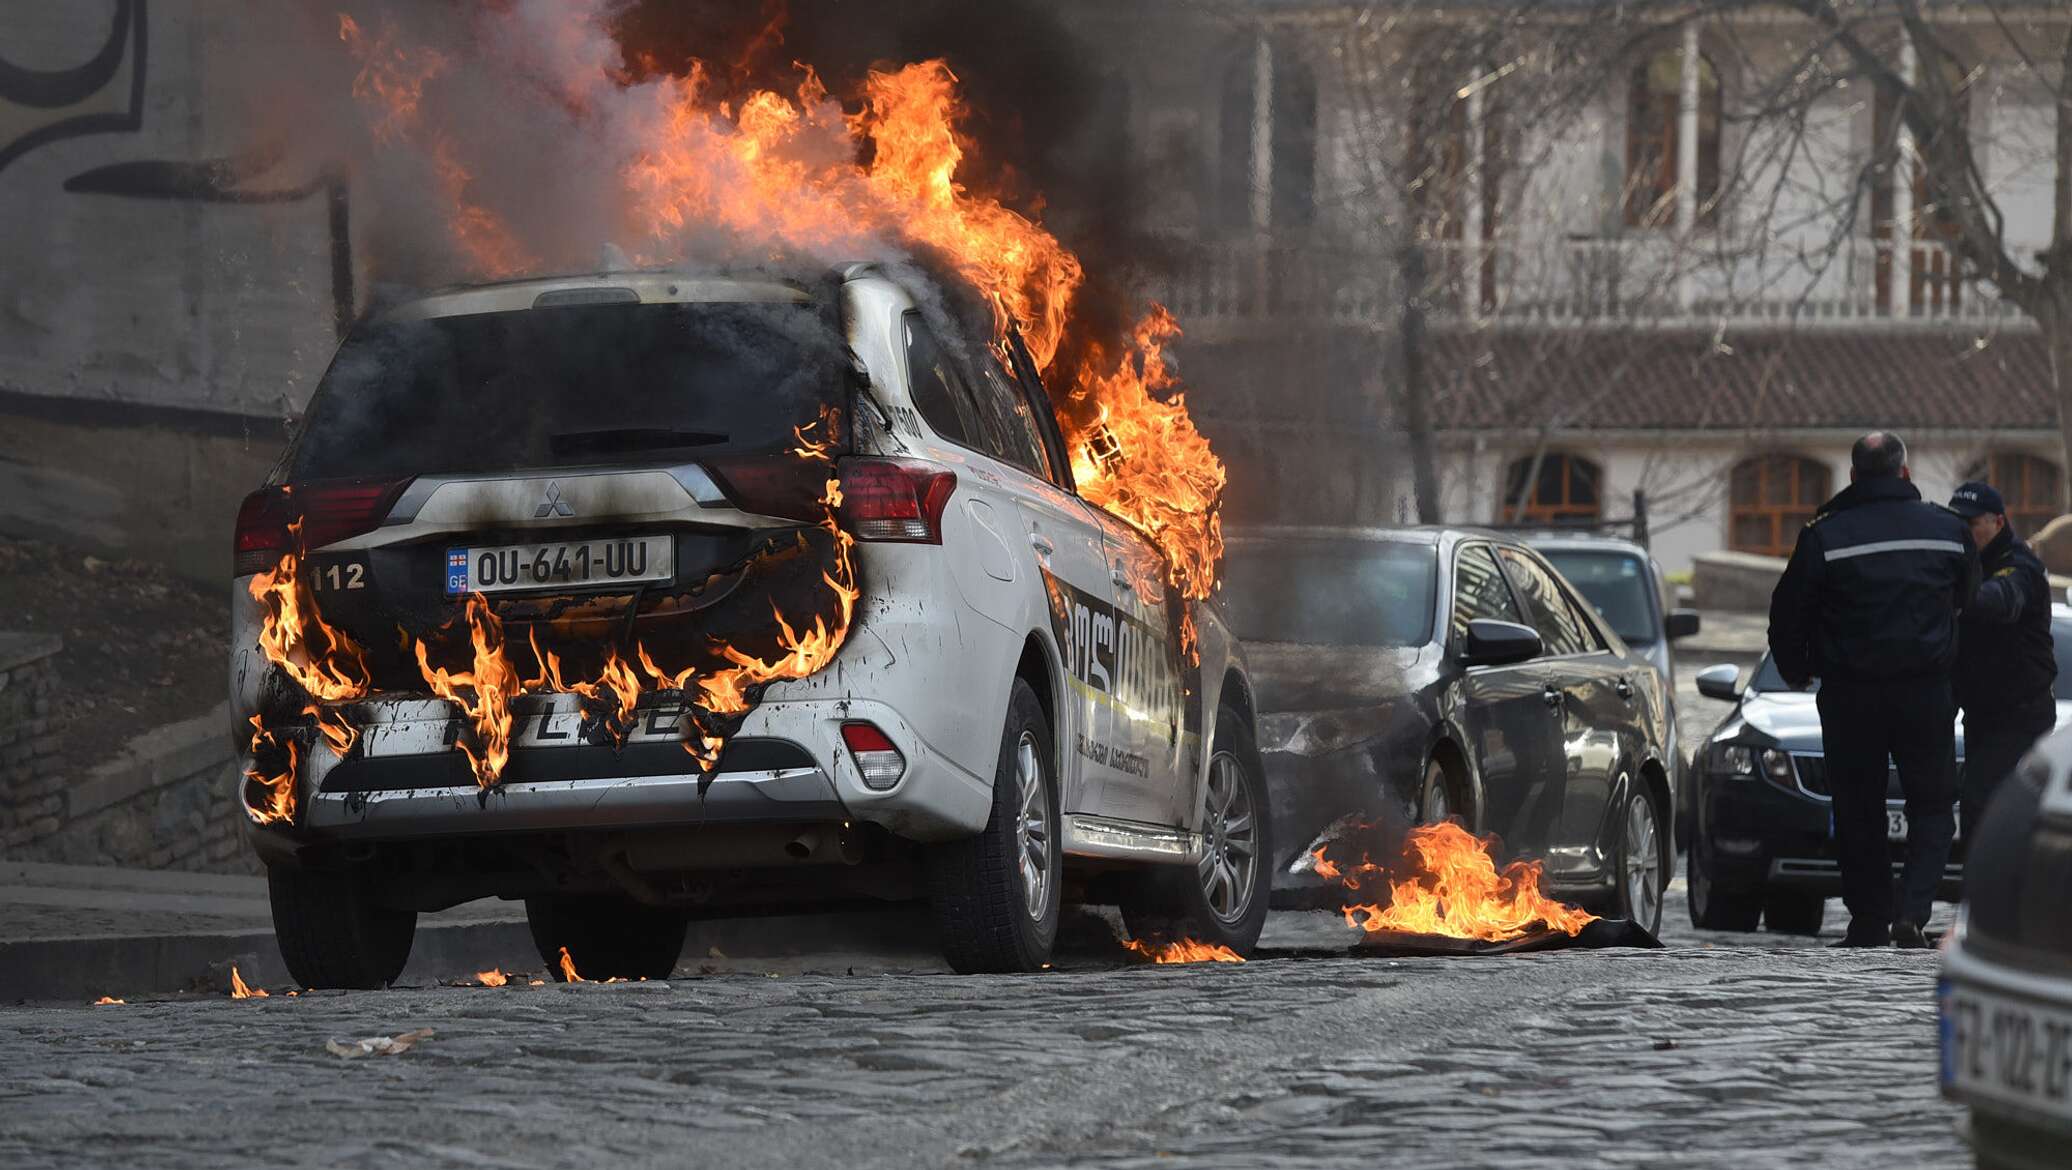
(1770, 498)
(2029, 486)
(1562, 629)
(1565, 491)
(1933, 279)
(1653, 125)
(1021, 436)
(937, 388)
(1480, 592)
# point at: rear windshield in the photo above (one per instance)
(1768, 678)
(558, 387)
(1350, 593)
(1618, 585)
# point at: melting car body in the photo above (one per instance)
(1762, 848)
(1426, 673)
(659, 594)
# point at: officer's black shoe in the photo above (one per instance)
(1907, 936)
(1864, 937)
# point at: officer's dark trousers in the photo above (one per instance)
(1994, 742)
(1913, 721)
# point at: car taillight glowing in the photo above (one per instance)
(876, 758)
(896, 501)
(329, 512)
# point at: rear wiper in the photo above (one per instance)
(615, 439)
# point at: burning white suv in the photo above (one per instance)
(643, 596)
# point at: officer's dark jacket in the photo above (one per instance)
(2005, 661)
(1873, 588)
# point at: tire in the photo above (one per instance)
(1643, 871)
(1222, 899)
(1794, 913)
(333, 933)
(1713, 908)
(995, 896)
(1439, 798)
(607, 937)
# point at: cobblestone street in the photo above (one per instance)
(1721, 1051)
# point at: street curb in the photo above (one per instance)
(82, 969)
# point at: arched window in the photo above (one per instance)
(1772, 497)
(1291, 163)
(2028, 485)
(1932, 275)
(1567, 490)
(1652, 127)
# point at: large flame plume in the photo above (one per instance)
(1452, 889)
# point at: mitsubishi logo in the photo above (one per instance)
(553, 504)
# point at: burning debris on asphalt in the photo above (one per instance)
(1443, 882)
(240, 990)
(1183, 951)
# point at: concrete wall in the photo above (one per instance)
(169, 802)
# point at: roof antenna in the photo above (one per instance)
(613, 259)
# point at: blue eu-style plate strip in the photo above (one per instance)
(456, 571)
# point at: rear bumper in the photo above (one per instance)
(788, 764)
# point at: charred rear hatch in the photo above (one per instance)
(603, 471)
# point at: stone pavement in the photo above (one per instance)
(1747, 1055)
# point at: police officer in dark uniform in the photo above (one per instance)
(1868, 605)
(2006, 665)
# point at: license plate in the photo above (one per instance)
(560, 565)
(1896, 822)
(2014, 1051)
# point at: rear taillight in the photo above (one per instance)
(895, 500)
(328, 512)
(876, 757)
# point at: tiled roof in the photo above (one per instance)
(1507, 378)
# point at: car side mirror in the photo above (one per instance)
(1495, 643)
(1681, 623)
(1722, 682)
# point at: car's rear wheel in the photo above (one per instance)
(1794, 913)
(606, 937)
(1714, 908)
(334, 932)
(995, 896)
(1643, 873)
(1221, 899)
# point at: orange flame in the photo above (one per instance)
(1184, 951)
(277, 804)
(568, 968)
(238, 990)
(106, 999)
(483, 692)
(391, 79)
(1458, 892)
(493, 977)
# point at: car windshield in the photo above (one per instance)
(1333, 593)
(1768, 679)
(557, 387)
(1618, 585)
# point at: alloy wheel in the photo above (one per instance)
(1033, 828)
(1230, 852)
(1644, 882)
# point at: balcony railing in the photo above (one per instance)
(1635, 279)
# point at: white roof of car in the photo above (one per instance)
(648, 288)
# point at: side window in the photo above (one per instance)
(1030, 406)
(1479, 591)
(938, 391)
(1021, 442)
(1586, 619)
(1560, 628)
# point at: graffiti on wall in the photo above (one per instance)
(105, 95)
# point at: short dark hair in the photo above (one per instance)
(1878, 455)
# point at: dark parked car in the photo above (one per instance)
(1442, 672)
(1625, 583)
(1762, 848)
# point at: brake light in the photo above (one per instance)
(329, 512)
(876, 757)
(895, 500)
